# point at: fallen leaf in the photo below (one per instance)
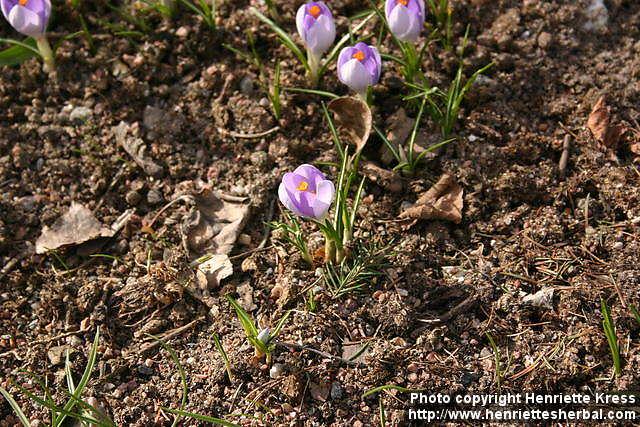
(400, 126)
(78, 225)
(541, 299)
(353, 116)
(442, 201)
(600, 125)
(212, 271)
(136, 148)
(215, 222)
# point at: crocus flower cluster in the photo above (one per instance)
(405, 18)
(30, 17)
(307, 192)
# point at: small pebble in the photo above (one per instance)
(154, 197)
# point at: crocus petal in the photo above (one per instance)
(399, 21)
(345, 56)
(311, 174)
(300, 21)
(6, 6)
(303, 203)
(321, 35)
(25, 21)
(355, 75)
(283, 195)
(325, 191)
(388, 7)
(376, 59)
(292, 181)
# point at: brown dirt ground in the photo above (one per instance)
(524, 227)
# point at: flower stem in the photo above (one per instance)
(329, 250)
(314, 67)
(47, 54)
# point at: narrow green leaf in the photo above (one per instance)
(16, 408)
(200, 417)
(283, 36)
(18, 52)
(246, 321)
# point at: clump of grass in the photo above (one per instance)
(352, 274)
(205, 9)
(612, 338)
(262, 340)
(291, 232)
(85, 413)
(496, 354)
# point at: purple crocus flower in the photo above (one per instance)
(307, 192)
(316, 27)
(406, 18)
(29, 17)
(359, 67)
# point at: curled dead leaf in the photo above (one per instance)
(215, 222)
(443, 201)
(601, 126)
(353, 119)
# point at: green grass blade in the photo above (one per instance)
(199, 417)
(311, 92)
(16, 408)
(91, 360)
(283, 36)
(612, 337)
(388, 387)
(280, 325)
(635, 312)
(18, 52)
(183, 375)
(223, 354)
(246, 321)
(496, 355)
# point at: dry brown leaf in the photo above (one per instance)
(215, 222)
(137, 149)
(78, 225)
(212, 271)
(400, 126)
(353, 117)
(600, 125)
(443, 201)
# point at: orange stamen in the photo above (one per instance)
(303, 186)
(404, 2)
(315, 11)
(23, 2)
(359, 55)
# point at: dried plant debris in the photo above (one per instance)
(212, 270)
(353, 117)
(213, 225)
(78, 225)
(601, 125)
(136, 148)
(443, 201)
(383, 177)
(400, 126)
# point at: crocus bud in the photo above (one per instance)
(359, 67)
(264, 335)
(307, 192)
(405, 18)
(316, 27)
(29, 17)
